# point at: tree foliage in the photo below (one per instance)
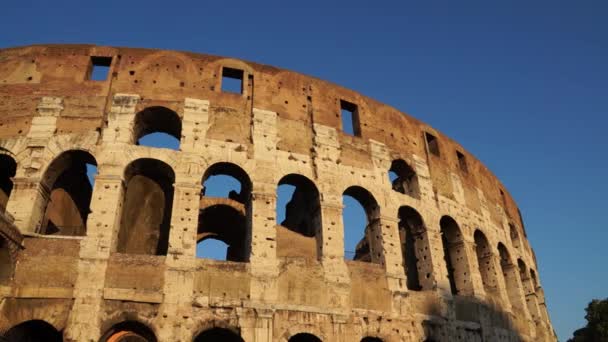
(597, 323)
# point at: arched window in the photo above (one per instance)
(158, 127)
(414, 246)
(224, 223)
(304, 337)
(69, 178)
(485, 262)
(129, 331)
(403, 178)
(514, 235)
(218, 334)
(455, 255)
(371, 339)
(6, 262)
(510, 274)
(33, 331)
(8, 167)
(361, 232)
(299, 211)
(146, 211)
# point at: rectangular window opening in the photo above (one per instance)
(100, 68)
(462, 162)
(432, 143)
(350, 118)
(232, 80)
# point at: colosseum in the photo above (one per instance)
(443, 255)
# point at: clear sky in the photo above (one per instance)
(521, 84)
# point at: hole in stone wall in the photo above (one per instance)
(304, 337)
(514, 235)
(432, 143)
(232, 80)
(455, 259)
(129, 331)
(462, 162)
(8, 168)
(100, 68)
(157, 127)
(34, 330)
(349, 112)
(411, 228)
(70, 180)
(485, 263)
(403, 178)
(146, 211)
(361, 220)
(218, 334)
(371, 339)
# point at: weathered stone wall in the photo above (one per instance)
(283, 283)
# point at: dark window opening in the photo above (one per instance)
(403, 178)
(299, 211)
(218, 334)
(232, 80)
(414, 248)
(432, 144)
(514, 235)
(70, 180)
(304, 337)
(361, 217)
(146, 211)
(485, 263)
(129, 331)
(32, 331)
(371, 339)
(100, 68)
(462, 162)
(8, 168)
(222, 234)
(453, 251)
(224, 223)
(349, 113)
(158, 127)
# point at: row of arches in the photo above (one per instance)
(134, 331)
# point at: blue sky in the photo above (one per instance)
(521, 84)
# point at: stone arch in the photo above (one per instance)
(455, 256)
(304, 337)
(403, 178)
(129, 331)
(529, 290)
(8, 168)
(146, 210)
(299, 234)
(510, 275)
(227, 224)
(369, 248)
(157, 119)
(67, 194)
(218, 334)
(33, 331)
(415, 249)
(485, 263)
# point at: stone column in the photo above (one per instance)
(27, 203)
(121, 119)
(194, 124)
(84, 323)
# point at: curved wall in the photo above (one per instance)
(128, 253)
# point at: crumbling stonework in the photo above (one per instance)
(444, 256)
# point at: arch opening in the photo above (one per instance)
(218, 334)
(529, 290)
(69, 183)
(146, 212)
(129, 331)
(414, 247)
(514, 235)
(7, 172)
(454, 255)
(485, 263)
(510, 274)
(158, 127)
(304, 337)
(298, 215)
(224, 222)
(403, 178)
(33, 331)
(371, 339)
(361, 217)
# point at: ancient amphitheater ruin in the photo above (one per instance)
(444, 255)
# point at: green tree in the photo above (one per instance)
(597, 323)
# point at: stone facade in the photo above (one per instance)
(444, 256)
